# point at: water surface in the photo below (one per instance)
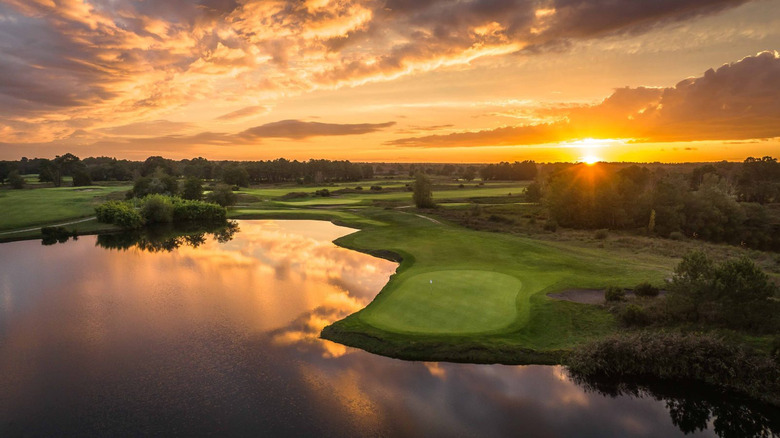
(221, 339)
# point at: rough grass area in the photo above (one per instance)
(455, 301)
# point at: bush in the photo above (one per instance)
(614, 293)
(189, 211)
(322, 192)
(192, 189)
(551, 225)
(601, 234)
(376, 188)
(81, 178)
(358, 188)
(634, 315)
(222, 195)
(157, 209)
(119, 213)
(697, 356)
(423, 192)
(676, 235)
(646, 289)
(16, 180)
(735, 294)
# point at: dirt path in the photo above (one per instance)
(428, 218)
(54, 225)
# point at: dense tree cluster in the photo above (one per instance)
(238, 173)
(734, 294)
(517, 171)
(704, 203)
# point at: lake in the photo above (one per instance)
(202, 335)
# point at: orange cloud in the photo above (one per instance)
(735, 102)
(68, 65)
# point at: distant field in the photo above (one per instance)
(23, 208)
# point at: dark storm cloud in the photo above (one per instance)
(735, 102)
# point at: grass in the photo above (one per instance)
(444, 302)
(31, 207)
(492, 305)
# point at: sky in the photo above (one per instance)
(391, 80)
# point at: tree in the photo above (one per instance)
(236, 175)
(423, 192)
(16, 180)
(469, 174)
(222, 195)
(735, 294)
(533, 193)
(81, 178)
(193, 189)
(160, 183)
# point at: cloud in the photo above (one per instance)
(243, 113)
(152, 128)
(138, 137)
(296, 129)
(737, 101)
(76, 64)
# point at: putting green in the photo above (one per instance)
(452, 301)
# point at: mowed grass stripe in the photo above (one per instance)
(450, 301)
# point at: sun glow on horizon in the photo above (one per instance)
(590, 159)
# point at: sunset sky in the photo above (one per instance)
(391, 80)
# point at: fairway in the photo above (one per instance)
(453, 301)
(23, 208)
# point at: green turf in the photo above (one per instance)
(404, 311)
(24, 208)
(460, 301)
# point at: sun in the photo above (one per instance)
(590, 159)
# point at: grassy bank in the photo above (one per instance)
(42, 206)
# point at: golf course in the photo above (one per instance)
(459, 294)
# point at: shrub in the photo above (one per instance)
(81, 178)
(189, 211)
(192, 189)
(614, 293)
(423, 192)
(460, 186)
(16, 180)
(601, 234)
(222, 195)
(551, 225)
(676, 356)
(646, 289)
(119, 213)
(157, 209)
(358, 188)
(376, 188)
(676, 235)
(634, 315)
(323, 192)
(533, 193)
(735, 294)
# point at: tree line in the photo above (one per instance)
(723, 202)
(241, 173)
